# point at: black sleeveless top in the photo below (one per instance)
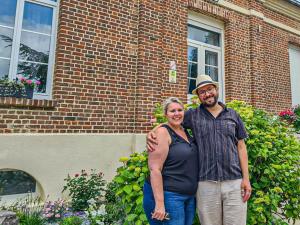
(180, 170)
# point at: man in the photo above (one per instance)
(224, 186)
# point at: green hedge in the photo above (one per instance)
(274, 155)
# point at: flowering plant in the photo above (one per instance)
(292, 116)
(287, 115)
(83, 187)
(28, 81)
(54, 210)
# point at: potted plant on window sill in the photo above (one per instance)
(29, 84)
(11, 88)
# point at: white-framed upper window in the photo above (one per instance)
(294, 57)
(27, 41)
(205, 51)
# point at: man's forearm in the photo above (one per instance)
(243, 157)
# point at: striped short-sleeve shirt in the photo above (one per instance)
(216, 140)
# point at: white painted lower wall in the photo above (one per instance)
(49, 158)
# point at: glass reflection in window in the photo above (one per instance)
(37, 18)
(4, 67)
(5, 41)
(16, 182)
(8, 12)
(211, 58)
(34, 47)
(203, 35)
(192, 54)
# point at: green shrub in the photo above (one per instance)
(274, 155)
(274, 167)
(83, 188)
(72, 220)
(113, 206)
(129, 182)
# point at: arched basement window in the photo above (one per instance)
(16, 182)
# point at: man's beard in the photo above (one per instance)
(209, 105)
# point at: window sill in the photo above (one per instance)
(26, 103)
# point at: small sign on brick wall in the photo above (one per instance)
(172, 72)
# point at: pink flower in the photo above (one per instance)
(57, 216)
(38, 82)
(29, 81)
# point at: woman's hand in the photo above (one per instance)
(159, 212)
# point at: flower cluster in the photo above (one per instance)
(54, 210)
(287, 114)
(292, 116)
(28, 81)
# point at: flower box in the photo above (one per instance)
(12, 90)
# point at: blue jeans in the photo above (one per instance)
(181, 208)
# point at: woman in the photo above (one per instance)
(169, 192)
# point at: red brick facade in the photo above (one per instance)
(112, 61)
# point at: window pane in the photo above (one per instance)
(211, 58)
(4, 67)
(5, 42)
(8, 12)
(191, 85)
(203, 35)
(16, 182)
(212, 72)
(37, 71)
(37, 18)
(192, 54)
(34, 47)
(193, 67)
(294, 55)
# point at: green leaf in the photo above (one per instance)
(139, 200)
(131, 217)
(119, 180)
(128, 189)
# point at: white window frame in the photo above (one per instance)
(294, 86)
(217, 26)
(16, 44)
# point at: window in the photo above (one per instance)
(16, 182)
(204, 51)
(294, 54)
(27, 41)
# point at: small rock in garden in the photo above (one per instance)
(8, 218)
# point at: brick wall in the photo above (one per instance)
(112, 63)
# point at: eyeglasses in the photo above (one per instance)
(208, 91)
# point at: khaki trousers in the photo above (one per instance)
(220, 203)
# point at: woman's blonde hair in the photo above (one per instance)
(170, 100)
